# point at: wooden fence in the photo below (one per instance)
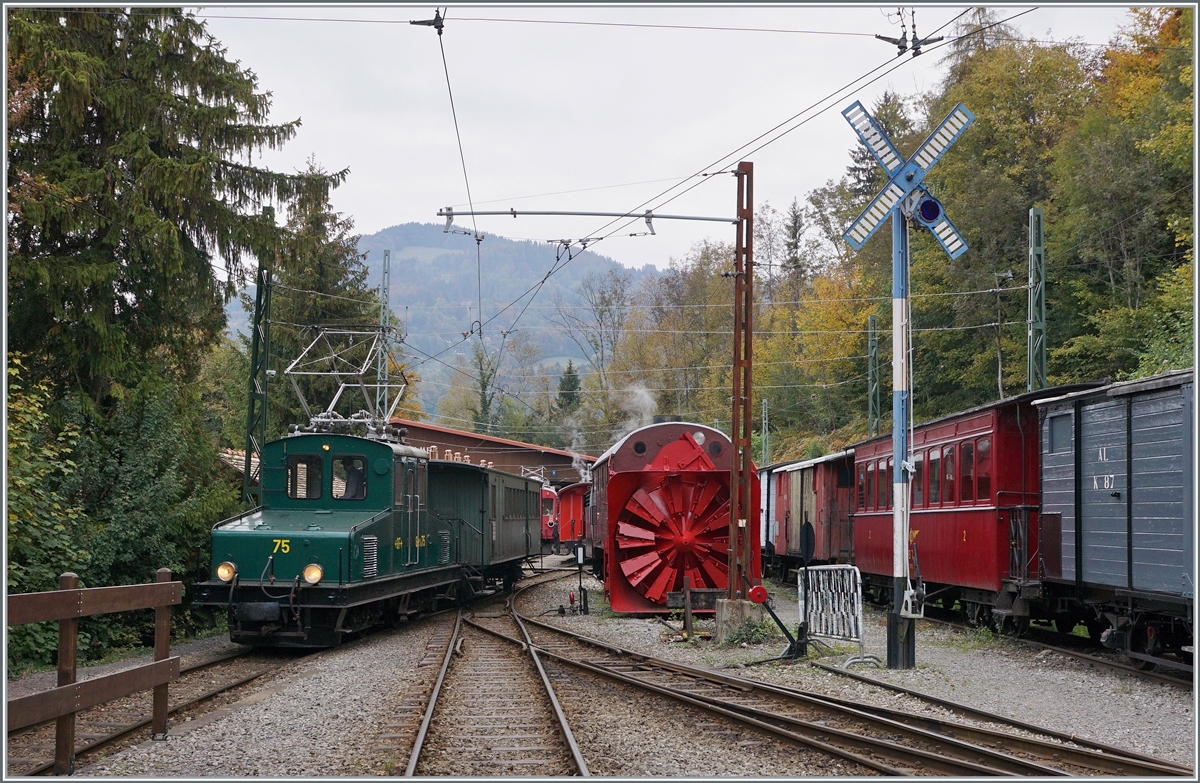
(66, 605)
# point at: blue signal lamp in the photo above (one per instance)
(928, 212)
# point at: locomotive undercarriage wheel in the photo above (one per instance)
(674, 527)
(975, 614)
(1144, 639)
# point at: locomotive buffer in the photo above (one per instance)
(904, 198)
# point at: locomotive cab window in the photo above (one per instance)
(404, 484)
(422, 485)
(349, 478)
(304, 476)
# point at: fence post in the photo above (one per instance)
(68, 638)
(162, 651)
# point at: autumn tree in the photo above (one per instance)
(1124, 197)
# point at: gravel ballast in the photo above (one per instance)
(323, 715)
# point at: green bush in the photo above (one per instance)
(752, 633)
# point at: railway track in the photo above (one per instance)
(492, 712)
(30, 751)
(888, 741)
(1114, 756)
(1094, 661)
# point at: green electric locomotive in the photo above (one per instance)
(354, 532)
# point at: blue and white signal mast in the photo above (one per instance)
(905, 198)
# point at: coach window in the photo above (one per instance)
(304, 476)
(948, 474)
(967, 465)
(1060, 433)
(935, 477)
(884, 485)
(862, 483)
(891, 479)
(870, 485)
(983, 468)
(918, 480)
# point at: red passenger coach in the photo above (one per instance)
(571, 501)
(661, 498)
(975, 508)
(549, 513)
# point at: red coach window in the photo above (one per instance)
(935, 477)
(967, 465)
(870, 485)
(983, 468)
(918, 480)
(948, 474)
(891, 479)
(862, 484)
(885, 485)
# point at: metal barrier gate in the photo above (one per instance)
(834, 606)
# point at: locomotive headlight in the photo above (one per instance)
(226, 571)
(313, 573)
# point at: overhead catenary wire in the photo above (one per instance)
(983, 326)
(559, 264)
(629, 25)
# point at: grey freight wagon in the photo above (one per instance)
(1118, 513)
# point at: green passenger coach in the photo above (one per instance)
(356, 532)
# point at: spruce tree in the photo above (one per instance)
(129, 179)
(568, 389)
(321, 282)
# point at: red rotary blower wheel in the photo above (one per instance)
(675, 526)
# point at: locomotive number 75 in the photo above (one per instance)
(283, 545)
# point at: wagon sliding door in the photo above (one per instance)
(1159, 492)
(1103, 494)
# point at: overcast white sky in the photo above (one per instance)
(585, 117)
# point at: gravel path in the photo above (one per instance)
(323, 715)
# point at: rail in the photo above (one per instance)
(67, 605)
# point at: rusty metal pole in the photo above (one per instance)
(162, 651)
(68, 638)
(687, 608)
(741, 471)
